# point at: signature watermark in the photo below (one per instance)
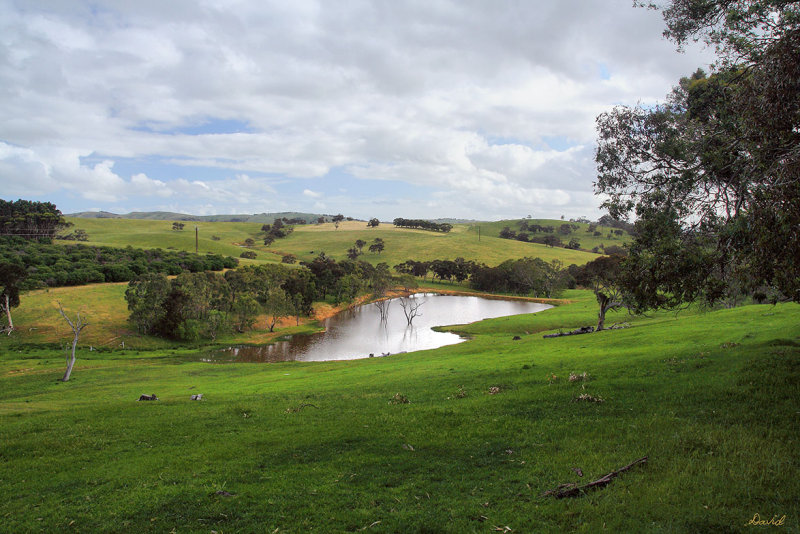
(774, 521)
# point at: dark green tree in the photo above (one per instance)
(30, 219)
(146, 297)
(12, 275)
(353, 252)
(604, 276)
(377, 246)
(717, 166)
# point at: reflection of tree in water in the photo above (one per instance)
(383, 309)
(359, 332)
(410, 335)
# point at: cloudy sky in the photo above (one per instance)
(375, 108)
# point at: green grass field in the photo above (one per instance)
(401, 244)
(711, 398)
(159, 234)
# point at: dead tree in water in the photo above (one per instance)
(410, 308)
(383, 308)
(76, 327)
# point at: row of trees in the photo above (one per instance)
(449, 270)
(376, 247)
(49, 265)
(422, 225)
(30, 220)
(526, 276)
(276, 230)
(548, 239)
(203, 305)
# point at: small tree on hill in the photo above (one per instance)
(373, 223)
(377, 246)
(76, 327)
(177, 226)
(605, 277)
(353, 253)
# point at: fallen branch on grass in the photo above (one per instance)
(573, 490)
(581, 330)
(302, 405)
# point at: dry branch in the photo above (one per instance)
(573, 490)
(582, 330)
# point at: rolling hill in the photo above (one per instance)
(308, 241)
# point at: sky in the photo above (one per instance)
(469, 109)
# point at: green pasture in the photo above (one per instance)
(421, 245)
(307, 241)
(159, 234)
(587, 239)
(712, 399)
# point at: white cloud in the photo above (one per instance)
(311, 194)
(458, 97)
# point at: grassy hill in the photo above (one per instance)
(309, 240)
(491, 424)
(159, 234)
(586, 238)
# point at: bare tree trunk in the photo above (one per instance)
(606, 304)
(71, 360)
(7, 308)
(76, 327)
(603, 301)
(601, 319)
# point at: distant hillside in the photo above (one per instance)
(308, 240)
(170, 216)
(590, 237)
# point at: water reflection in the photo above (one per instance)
(361, 332)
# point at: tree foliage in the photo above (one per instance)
(30, 220)
(524, 276)
(713, 174)
(49, 265)
(12, 276)
(193, 306)
(422, 225)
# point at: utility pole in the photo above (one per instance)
(196, 239)
(479, 234)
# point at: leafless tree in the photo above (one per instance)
(411, 308)
(383, 308)
(76, 327)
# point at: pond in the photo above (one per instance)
(360, 332)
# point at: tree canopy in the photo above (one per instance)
(713, 174)
(29, 219)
